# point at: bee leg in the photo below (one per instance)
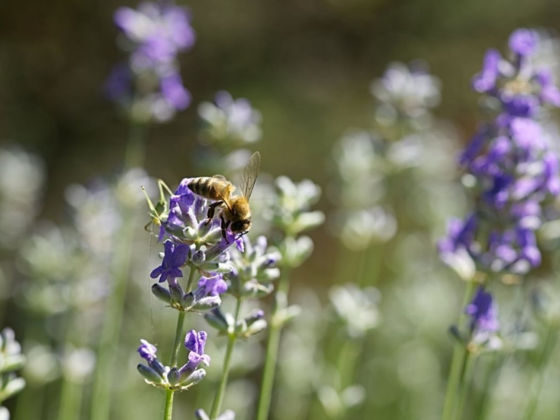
(212, 210)
(224, 228)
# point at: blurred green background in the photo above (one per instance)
(306, 65)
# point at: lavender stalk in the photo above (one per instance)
(514, 175)
(291, 216)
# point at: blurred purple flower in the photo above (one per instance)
(483, 312)
(523, 42)
(486, 79)
(174, 92)
(158, 31)
(511, 160)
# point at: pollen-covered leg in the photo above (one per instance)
(212, 210)
(224, 227)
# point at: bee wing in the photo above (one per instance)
(250, 173)
(223, 178)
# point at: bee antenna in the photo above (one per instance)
(241, 235)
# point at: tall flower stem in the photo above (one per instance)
(218, 399)
(538, 379)
(179, 336)
(492, 372)
(457, 364)
(467, 370)
(123, 244)
(168, 411)
(272, 347)
(70, 400)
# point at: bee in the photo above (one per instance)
(234, 209)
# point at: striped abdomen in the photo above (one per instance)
(212, 188)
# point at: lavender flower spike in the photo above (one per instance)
(158, 31)
(512, 166)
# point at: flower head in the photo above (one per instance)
(254, 269)
(149, 86)
(229, 122)
(157, 31)
(511, 163)
(178, 379)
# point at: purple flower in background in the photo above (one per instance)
(523, 42)
(229, 120)
(512, 162)
(149, 86)
(174, 92)
(158, 31)
(174, 258)
(483, 312)
(486, 79)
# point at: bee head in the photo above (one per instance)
(241, 226)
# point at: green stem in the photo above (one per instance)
(492, 371)
(218, 399)
(348, 357)
(467, 370)
(178, 338)
(273, 344)
(70, 400)
(30, 403)
(168, 410)
(537, 382)
(456, 363)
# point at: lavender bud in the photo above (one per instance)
(198, 257)
(188, 299)
(217, 320)
(207, 303)
(176, 292)
(226, 415)
(254, 316)
(150, 375)
(295, 251)
(256, 327)
(197, 376)
(161, 293)
(201, 415)
(173, 376)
